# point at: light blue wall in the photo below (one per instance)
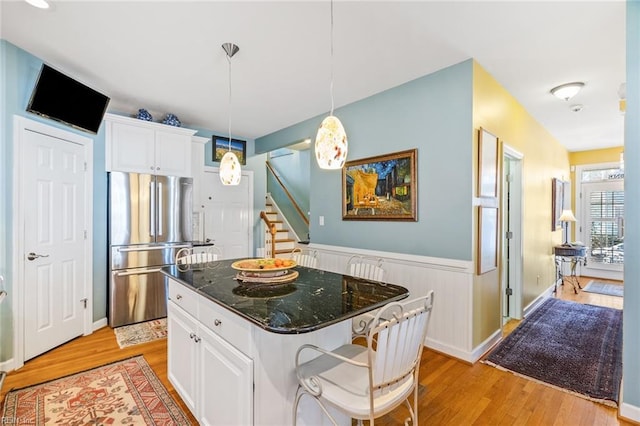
(433, 114)
(293, 170)
(19, 71)
(631, 336)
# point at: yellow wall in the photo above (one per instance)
(495, 110)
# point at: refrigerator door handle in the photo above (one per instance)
(152, 213)
(135, 272)
(147, 248)
(160, 208)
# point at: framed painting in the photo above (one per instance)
(487, 164)
(381, 188)
(487, 239)
(221, 146)
(557, 203)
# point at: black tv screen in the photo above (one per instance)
(61, 98)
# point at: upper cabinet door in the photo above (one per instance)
(132, 148)
(138, 146)
(173, 154)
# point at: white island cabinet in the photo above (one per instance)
(140, 146)
(231, 372)
(212, 376)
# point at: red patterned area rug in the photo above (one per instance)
(125, 392)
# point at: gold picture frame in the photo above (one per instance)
(382, 188)
(557, 203)
(487, 164)
(487, 239)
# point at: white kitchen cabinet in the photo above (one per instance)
(182, 354)
(214, 379)
(140, 146)
(231, 404)
(230, 372)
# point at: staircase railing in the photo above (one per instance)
(284, 188)
(270, 242)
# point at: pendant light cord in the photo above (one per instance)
(331, 83)
(229, 60)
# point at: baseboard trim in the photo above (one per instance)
(448, 350)
(535, 303)
(487, 345)
(8, 365)
(466, 356)
(102, 322)
(629, 412)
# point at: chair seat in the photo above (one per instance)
(347, 386)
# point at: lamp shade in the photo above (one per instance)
(331, 144)
(230, 172)
(567, 216)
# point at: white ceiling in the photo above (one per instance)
(166, 56)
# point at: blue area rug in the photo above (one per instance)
(568, 345)
(604, 288)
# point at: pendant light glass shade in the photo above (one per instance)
(331, 144)
(230, 172)
(331, 139)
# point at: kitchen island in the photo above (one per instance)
(232, 345)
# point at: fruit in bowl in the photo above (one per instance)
(263, 264)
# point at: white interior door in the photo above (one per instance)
(227, 211)
(603, 229)
(53, 191)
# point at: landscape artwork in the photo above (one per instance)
(221, 146)
(381, 188)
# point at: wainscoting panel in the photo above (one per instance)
(450, 330)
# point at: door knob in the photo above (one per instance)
(33, 256)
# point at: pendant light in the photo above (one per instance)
(331, 139)
(230, 172)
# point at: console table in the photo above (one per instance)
(571, 255)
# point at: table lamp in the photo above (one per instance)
(566, 217)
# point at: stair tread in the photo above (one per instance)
(284, 240)
(283, 251)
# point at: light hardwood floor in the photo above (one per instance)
(451, 393)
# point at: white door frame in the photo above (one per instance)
(516, 256)
(20, 126)
(581, 215)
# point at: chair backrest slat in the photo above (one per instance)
(305, 257)
(396, 339)
(187, 258)
(365, 267)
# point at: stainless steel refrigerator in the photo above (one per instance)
(150, 219)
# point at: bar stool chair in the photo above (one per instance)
(305, 257)
(369, 268)
(200, 258)
(367, 382)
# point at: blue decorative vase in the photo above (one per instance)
(172, 120)
(143, 114)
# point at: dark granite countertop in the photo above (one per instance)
(314, 300)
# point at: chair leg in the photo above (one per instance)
(299, 393)
(295, 406)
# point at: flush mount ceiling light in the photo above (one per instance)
(568, 90)
(40, 4)
(331, 139)
(230, 172)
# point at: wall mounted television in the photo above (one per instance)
(61, 98)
